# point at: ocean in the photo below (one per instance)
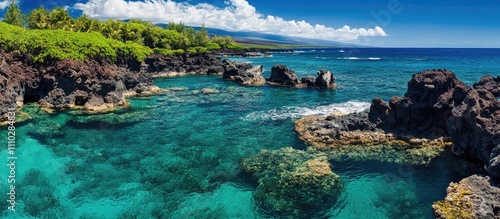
(178, 154)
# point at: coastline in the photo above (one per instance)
(204, 64)
(68, 84)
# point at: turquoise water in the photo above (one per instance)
(179, 154)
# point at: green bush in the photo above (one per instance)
(212, 46)
(45, 45)
(168, 51)
(235, 46)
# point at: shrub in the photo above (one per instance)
(45, 45)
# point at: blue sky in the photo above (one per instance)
(412, 23)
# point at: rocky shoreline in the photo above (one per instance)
(437, 111)
(98, 86)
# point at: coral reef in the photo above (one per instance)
(291, 180)
(117, 118)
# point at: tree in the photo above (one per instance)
(223, 42)
(60, 19)
(201, 36)
(13, 15)
(190, 39)
(38, 19)
(177, 27)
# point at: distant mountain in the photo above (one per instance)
(263, 38)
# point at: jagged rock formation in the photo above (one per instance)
(160, 65)
(474, 197)
(489, 83)
(353, 137)
(243, 73)
(425, 107)
(99, 85)
(282, 75)
(436, 106)
(66, 84)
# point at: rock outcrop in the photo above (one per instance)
(325, 79)
(160, 65)
(425, 107)
(474, 197)
(474, 128)
(243, 73)
(437, 107)
(282, 75)
(353, 137)
(98, 85)
(67, 84)
(438, 104)
(489, 83)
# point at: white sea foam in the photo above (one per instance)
(294, 112)
(357, 58)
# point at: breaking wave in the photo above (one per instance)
(294, 112)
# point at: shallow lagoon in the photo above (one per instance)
(182, 158)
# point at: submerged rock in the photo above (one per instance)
(291, 182)
(107, 120)
(209, 91)
(473, 197)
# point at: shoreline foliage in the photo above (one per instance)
(54, 34)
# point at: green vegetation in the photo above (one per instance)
(48, 35)
(46, 45)
(13, 15)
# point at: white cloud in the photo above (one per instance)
(4, 4)
(238, 15)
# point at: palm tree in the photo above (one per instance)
(38, 19)
(60, 19)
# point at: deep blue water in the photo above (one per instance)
(181, 158)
